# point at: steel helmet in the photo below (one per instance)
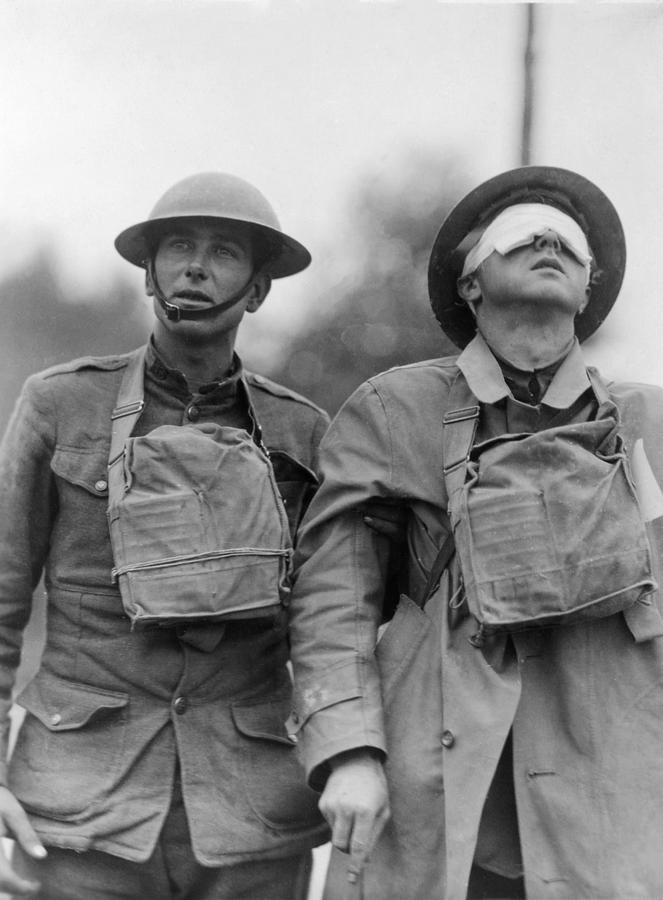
(215, 195)
(572, 193)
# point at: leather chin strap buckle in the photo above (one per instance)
(173, 313)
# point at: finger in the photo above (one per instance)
(381, 526)
(358, 856)
(341, 833)
(365, 835)
(24, 833)
(12, 883)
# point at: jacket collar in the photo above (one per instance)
(484, 376)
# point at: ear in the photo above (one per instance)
(149, 284)
(583, 305)
(468, 288)
(258, 291)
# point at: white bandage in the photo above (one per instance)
(519, 225)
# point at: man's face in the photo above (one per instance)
(543, 272)
(203, 263)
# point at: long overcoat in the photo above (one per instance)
(584, 703)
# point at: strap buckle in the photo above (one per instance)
(460, 415)
(129, 409)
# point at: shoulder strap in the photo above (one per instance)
(459, 427)
(459, 433)
(600, 387)
(458, 436)
(130, 403)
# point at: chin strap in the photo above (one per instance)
(176, 313)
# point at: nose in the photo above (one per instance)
(196, 268)
(548, 241)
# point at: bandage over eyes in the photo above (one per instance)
(519, 225)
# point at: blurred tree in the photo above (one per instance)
(374, 313)
(41, 326)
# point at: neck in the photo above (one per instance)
(527, 342)
(199, 361)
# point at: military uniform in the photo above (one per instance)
(115, 718)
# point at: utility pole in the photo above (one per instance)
(529, 64)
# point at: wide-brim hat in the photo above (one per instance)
(570, 192)
(221, 197)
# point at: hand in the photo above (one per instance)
(355, 802)
(14, 824)
(387, 519)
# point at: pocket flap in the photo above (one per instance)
(87, 469)
(63, 705)
(261, 720)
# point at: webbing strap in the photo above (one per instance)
(459, 429)
(461, 421)
(130, 403)
(458, 436)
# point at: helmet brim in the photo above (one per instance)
(136, 243)
(572, 192)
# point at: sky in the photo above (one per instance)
(107, 103)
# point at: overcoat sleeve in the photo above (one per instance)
(339, 586)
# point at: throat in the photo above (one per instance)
(528, 345)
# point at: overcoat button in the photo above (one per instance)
(100, 485)
(448, 739)
(180, 705)
(56, 718)
(193, 413)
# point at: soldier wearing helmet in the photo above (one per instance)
(500, 735)
(160, 492)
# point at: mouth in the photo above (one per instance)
(549, 263)
(195, 296)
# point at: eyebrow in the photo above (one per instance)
(215, 236)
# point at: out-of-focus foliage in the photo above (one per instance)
(41, 327)
(374, 311)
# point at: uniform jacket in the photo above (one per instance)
(112, 709)
(584, 702)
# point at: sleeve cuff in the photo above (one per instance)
(347, 725)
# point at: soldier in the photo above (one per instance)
(507, 722)
(159, 492)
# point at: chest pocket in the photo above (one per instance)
(87, 469)
(296, 484)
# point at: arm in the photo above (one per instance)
(335, 613)
(26, 511)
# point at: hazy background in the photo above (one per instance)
(361, 122)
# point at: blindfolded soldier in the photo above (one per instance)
(506, 723)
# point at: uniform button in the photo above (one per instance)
(100, 485)
(193, 413)
(180, 705)
(448, 739)
(55, 719)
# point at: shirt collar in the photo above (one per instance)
(158, 367)
(486, 381)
